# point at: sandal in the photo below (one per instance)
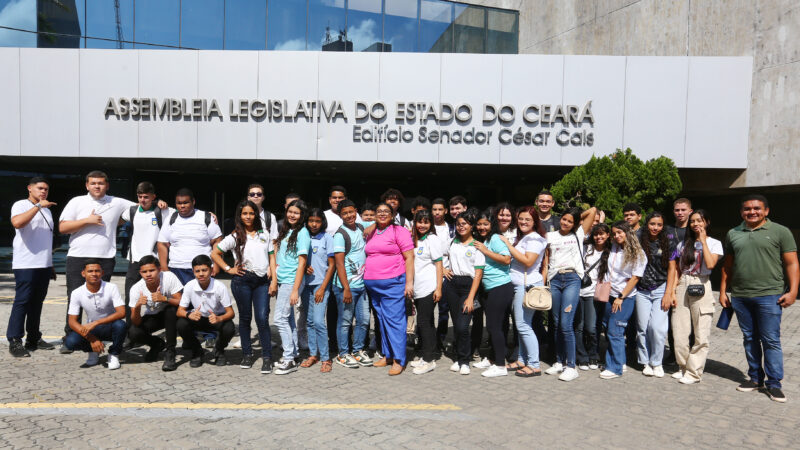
(522, 372)
(326, 366)
(515, 366)
(310, 361)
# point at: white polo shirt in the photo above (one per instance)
(188, 237)
(443, 235)
(619, 273)
(427, 252)
(95, 241)
(255, 252)
(33, 243)
(273, 225)
(96, 305)
(214, 298)
(168, 286)
(145, 231)
(334, 221)
(530, 243)
(464, 259)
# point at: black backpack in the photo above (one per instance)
(347, 242)
(174, 217)
(133, 211)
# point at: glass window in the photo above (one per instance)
(502, 31)
(15, 38)
(286, 25)
(20, 14)
(436, 31)
(365, 26)
(246, 25)
(157, 22)
(326, 26)
(59, 23)
(101, 21)
(107, 43)
(469, 29)
(202, 24)
(400, 26)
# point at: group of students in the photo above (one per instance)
(619, 281)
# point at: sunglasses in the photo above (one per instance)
(255, 194)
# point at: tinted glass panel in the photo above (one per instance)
(286, 25)
(19, 14)
(326, 27)
(246, 25)
(469, 33)
(400, 25)
(502, 32)
(202, 23)
(59, 23)
(14, 38)
(105, 43)
(157, 22)
(365, 26)
(101, 20)
(436, 30)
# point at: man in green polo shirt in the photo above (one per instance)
(760, 262)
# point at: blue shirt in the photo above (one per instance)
(321, 249)
(286, 260)
(496, 274)
(354, 260)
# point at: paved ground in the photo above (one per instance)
(48, 401)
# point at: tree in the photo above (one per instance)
(611, 181)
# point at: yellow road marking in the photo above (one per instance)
(238, 406)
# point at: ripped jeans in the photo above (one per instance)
(615, 324)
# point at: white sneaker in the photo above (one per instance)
(607, 375)
(658, 371)
(93, 359)
(647, 371)
(583, 366)
(678, 375)
(482, 364)
(556, 368)
(417, 362)
(568, 374)
(464, 369)
(455, 367)
(687, 380)
(113, 362)
(624, 368)
(237, 344)
(423, 367)
(593, 366)
(495, 371)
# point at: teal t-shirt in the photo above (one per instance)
(286, 260)
(496, 274)
(353, 260)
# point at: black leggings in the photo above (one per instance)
(499, 299)
(456, 293)
(143, 333)
(427, 331)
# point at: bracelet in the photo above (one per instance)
(227, 268)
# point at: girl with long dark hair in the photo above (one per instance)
(597, 248)
(427, 285)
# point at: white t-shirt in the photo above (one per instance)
(427, 252)
(619, 275)
(273, 224)
(188, 237)
(255, 252)
(530, 243)
(565, 252)
(97, 305)
(464, 259)
(33, 243)
(95, 241)
(699, 266)
(591, 257)
(334, 221)
(214, 298)
(443, 235)
(168, 286)
(145, 231)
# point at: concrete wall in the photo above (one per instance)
(767, 30)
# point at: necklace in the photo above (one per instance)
(381, 231)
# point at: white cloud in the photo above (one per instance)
(18, 14)
(292, 44)
(363, 35)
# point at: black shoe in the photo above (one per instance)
(152, 354)
(127, 345)
(219, 358)
(776, 394)
(197, 360)
(186, 345)
(169, 361)
(64, 350)
(749, 386)
(247, 361)
(266, 366)
(17, 350)
(41, 344)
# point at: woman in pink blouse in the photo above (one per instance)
(389, 279)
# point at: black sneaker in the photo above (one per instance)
(266, 366)
(152, 354)
(749, 386)
(247, 361)
(17, 350)
(219, 358)
(285, 366)
(775, 394)
(169, 361)
(41, 344)
(197, 360)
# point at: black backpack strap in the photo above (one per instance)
(208, 219)
(360, 226)
(173, 218)
(159, 219)
(267, 220)
(132, 213)
(347, 242)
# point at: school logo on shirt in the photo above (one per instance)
(314, 250)
(469, 253)
(420, 250)
(154, 221)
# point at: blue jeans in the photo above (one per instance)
(565, 289)
(317, 329)
(615, 324)
(358, 307)
(114, 332)
(185, 275)
(252, 296)
(523, 317)
(284, 320)
(760, 321)
(586, 323)
(652, 324)
(30, 290)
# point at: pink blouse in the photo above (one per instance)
(385, 253)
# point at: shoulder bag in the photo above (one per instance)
(602, 291)
(537, 298)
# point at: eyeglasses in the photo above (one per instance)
(382, 212)
(255, 194)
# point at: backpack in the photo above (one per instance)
(347, 242)
(267, 225)
(174, 217)
(133, 211)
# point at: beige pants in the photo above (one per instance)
(692, 313)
